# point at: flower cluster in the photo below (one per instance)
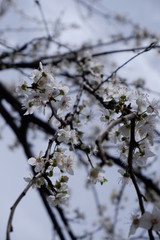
(67, 135)
(43, 90)
(93, 70)
(65, 164)
(60, 194)
(146, 112)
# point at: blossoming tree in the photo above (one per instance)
(92, 118)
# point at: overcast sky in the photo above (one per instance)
(30, 221)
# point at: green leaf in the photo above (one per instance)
(104, 180)
(61, 92)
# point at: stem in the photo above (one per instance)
(148, 48)
(13, 208)
(130, 169)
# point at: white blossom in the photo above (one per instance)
(122, 92)
(60, 196)
(151, 220)
(60, 159)
(114, 134)
(67, 136)
(38, 162)
(146, 127)
(153, 106)
(63, 89)
(135, 224)
(69, 164)
(38, 182)
(125, 179)
(64, 135)
(105, 115)
(63, 104)
(42, 76)
(140, 100)
(43, 90)
(96, 175)
(93, 69)
(142, 154)
(64, 162)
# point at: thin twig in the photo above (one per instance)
(131, 172)
(117, 207)
(71, 115)
(130, 167)
(124, 50)
(13, 208)
(148, 48)
(43, 18)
